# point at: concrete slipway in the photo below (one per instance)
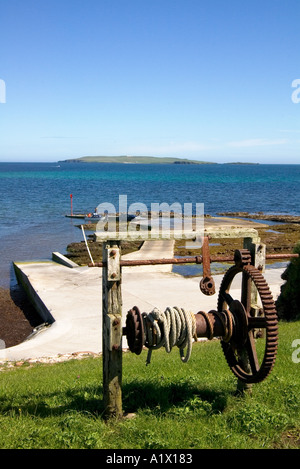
(69, 297)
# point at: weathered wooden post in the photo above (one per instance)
(112, 329)
(257, 251)
(258, 254)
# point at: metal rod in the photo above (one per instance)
(209, 325)
(281, 256)
(187, 260)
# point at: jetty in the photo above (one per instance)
(68, 297)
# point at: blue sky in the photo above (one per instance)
(208, 80)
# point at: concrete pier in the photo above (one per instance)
(69, 299)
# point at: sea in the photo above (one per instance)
(36, 197)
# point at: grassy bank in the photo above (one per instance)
(177, 405)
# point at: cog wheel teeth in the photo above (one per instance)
(135, 330)
(271, 324)
(242, 257)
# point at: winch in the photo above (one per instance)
(238, 323)
(244, 319)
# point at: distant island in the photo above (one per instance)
(133, 160)
(125, 159)
(239, 162)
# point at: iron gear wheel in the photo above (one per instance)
(242, 352)
(135, 330)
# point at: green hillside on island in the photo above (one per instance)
(133, 160)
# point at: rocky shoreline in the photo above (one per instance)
(279, 238)
(262, 216)
(18, 317)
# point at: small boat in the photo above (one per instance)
(95, 217)
(75, 215)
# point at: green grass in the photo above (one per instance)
(177, 406)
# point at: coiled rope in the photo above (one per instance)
(173, 327)
(226, 320)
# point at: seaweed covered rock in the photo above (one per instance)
(288, 303)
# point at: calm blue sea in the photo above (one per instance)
(34, 197)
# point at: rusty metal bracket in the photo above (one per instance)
(114, 331)
(207, 283)
(113, 264)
